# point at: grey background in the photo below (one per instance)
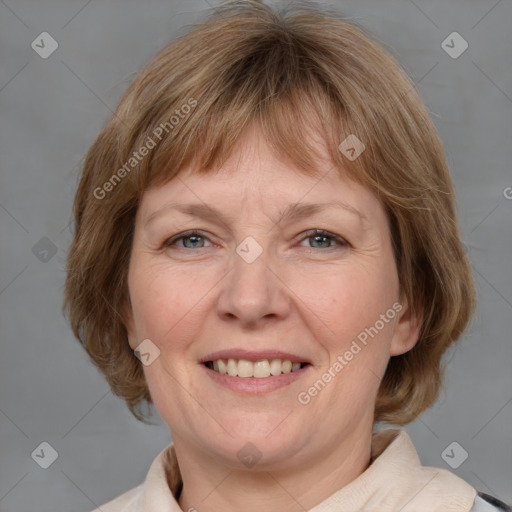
(52, 110)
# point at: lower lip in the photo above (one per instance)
(253, 385)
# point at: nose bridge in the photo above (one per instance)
(251, 291)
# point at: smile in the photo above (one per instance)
(259, 369)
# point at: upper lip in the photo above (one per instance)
(252, 355)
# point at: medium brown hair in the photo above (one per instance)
(299, 71)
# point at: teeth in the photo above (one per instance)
(275, 367)
(232, 368)
(223, 367)
(260, 369)
(245, 368)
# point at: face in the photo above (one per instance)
(250, 291)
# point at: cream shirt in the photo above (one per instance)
(394, 481)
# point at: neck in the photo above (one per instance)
(291, 487)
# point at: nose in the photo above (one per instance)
(253, 293)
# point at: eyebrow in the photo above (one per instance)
(294, 211)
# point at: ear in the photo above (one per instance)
(127, 316)
(407, 329)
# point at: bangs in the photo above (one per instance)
(290, 124)
(296, 113)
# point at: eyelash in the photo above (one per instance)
(309, 234)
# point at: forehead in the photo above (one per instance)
(254, 174)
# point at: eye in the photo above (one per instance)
(191, 240)
(195, 239)
(324, 239)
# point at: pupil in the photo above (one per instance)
(193, 239)
(319, 237)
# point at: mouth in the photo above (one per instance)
(254, 372)
(261, 369)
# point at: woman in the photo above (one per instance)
(267, 250)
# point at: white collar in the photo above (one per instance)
(395, 480)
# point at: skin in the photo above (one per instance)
(302, 295)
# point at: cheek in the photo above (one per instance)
(166, 302)
(345, 301)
